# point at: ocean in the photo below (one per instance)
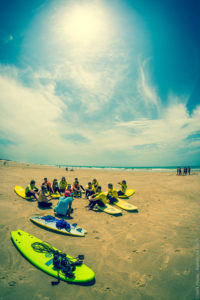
(133, 169)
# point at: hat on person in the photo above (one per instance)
(67, 194)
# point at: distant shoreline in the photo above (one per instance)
(117, 168)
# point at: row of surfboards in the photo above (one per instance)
(110, 209)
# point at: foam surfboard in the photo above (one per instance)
(109, 209)
(51, 224)
(125, 205)
(20, 191)
(31, 248)
(128, 194)
(54, 196)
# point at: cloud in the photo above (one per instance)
(38, 126)
(147, 90)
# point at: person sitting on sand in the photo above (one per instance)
(95, 184)
(43, 200)
(48, 185)
(76, 180)
(89, 190)
(64, 206)
(99, 198)
(123, 188)
(31, 190)
(55, 186)
(112, 194)
(77, 189)
(69, 189)
(62, 185)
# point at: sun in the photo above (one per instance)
(83, 24)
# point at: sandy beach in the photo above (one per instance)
(149, 254)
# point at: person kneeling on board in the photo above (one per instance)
(31, 190)
(99, 198)
(43, 200)
(64, 206)
(112, 194)
(123, 188)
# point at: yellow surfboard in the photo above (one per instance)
(109, 209)
(54, 196)
(128, 194)
(41, 255)
(20, 191)
(125, 205)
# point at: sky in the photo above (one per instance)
(100, 83)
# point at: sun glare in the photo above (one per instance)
(83, 24)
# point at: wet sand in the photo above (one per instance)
(151, 254)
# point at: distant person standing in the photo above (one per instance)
(185, 171)
(179, 171)
(188, 169)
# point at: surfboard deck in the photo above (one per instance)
(75, 230)
(128, 194)
(20, 191)
(54, 196)
(125, 205)
(44, 261)
(109, 209)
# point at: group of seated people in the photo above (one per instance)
(66, 192)
(96, 196)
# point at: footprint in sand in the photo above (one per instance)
(177, 250)
(143, 280)
(135, 251)
(108, 289)
(165, 263)
(139, 251)
(39, 296)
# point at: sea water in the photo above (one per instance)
(137, 169)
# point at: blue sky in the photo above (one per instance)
(100, 82)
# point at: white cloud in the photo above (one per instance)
(36, 121)
(146, 89)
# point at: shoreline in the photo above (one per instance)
(106, 168)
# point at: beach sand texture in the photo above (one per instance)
(149, 254)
